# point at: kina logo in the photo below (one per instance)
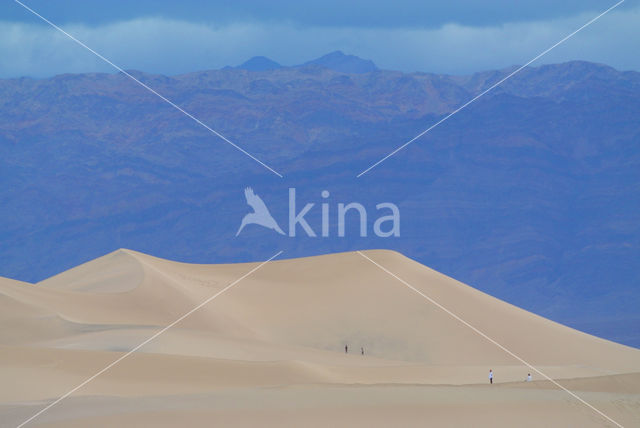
(260, 215)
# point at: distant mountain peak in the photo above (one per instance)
(259, 63)
(335, 55)
(339, 61)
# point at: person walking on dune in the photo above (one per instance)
(529, 377)
(491, 376)
(346, 349)
(361, 350)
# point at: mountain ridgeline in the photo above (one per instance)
(529, 194)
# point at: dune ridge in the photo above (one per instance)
(284, 328)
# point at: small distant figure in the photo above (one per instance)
(346, 349)
(491, 376)
(361, 351)
(529, 377)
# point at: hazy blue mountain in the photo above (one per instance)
(259, 63)
(531, 193)
(338, 61)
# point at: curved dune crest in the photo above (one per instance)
(286, 324)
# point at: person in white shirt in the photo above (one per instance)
(490, 376)
(529, 377)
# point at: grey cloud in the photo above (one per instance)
(172, 46)
(323, 13)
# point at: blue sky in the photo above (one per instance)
(455, 36)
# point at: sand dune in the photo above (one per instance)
(270, 350)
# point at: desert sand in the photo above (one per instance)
(270, 350)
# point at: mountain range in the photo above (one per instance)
(336, 61)
(530, 194)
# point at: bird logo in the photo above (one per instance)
(260, 214)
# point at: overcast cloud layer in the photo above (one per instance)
(173, 46)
